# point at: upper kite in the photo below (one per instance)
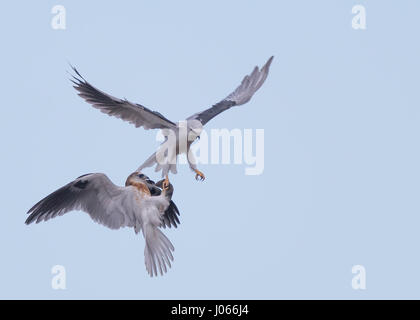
(141, 116)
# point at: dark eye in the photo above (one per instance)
(141, 175)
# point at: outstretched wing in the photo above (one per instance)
(242, 94)
(94, 194)
(134, 113)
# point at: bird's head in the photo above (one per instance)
(138, 177)
(195, 128)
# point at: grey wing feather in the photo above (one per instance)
(170, 217)
(134, 113)
(94, 194)
(242, 94)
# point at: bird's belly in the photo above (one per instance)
(182, 143)
(175, 145)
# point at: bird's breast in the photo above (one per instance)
(142, 189)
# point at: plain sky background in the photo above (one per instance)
(340, 110)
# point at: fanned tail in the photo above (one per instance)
(157, 252)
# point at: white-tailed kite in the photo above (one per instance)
(184, 132)
(141, 204)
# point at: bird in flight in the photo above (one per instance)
(141, 204)
(178, 136)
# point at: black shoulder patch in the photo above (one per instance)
(81, 184)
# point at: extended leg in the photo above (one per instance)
(199, 175)
(191, 161)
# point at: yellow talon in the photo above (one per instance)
(199, 175)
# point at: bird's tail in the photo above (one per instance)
(158, 250)
(164, 167)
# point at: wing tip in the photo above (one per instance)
(268, 63)
(77, 73)
(31, 218)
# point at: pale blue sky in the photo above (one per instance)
(340, 111)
